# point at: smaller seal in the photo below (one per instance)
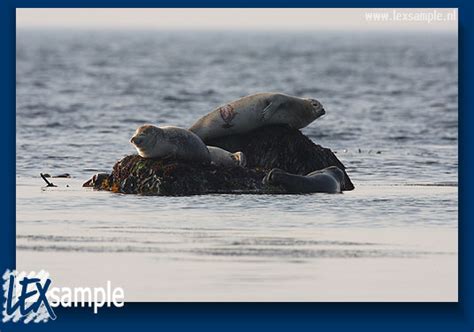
(170, 142)
(225, 158)
(328, 180)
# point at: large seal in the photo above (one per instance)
(255, 111)
(225, 158)
(170, 142)
(327, 180)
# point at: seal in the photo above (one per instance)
(255, 111)
(170, 142)
(327, 180)
(225, 158)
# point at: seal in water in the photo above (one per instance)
(255, 111)
(225, 158)
(327, 180)
(170, 142)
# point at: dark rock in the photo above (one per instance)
(136, 175)
(265, 149)
(281, 147)
(64, 175)
(97, 180)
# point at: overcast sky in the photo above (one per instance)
(236, 19)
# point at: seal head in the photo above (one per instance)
(327, 180)
(169, 142)
(145, 140)
(316, 108)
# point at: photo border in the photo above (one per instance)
(371, 316)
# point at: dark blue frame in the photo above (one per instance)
(258, 316)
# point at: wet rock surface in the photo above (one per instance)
(266, 148)
(281, 147)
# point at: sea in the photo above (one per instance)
(392, 119)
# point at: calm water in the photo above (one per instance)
(392, 118)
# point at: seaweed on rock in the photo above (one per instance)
(136, 175)
(265, 148)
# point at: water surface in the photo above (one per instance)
(392, 119)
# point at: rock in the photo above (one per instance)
(97, 181)
(63, 175)
(266, 148)
(136, 175)
(281, 147)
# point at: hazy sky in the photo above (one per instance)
(235, 19)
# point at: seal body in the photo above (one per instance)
(170, 142)
(255, 111)
(327, 180)
(225, 158)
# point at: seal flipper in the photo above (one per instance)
(239, 158)
(273, 107)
